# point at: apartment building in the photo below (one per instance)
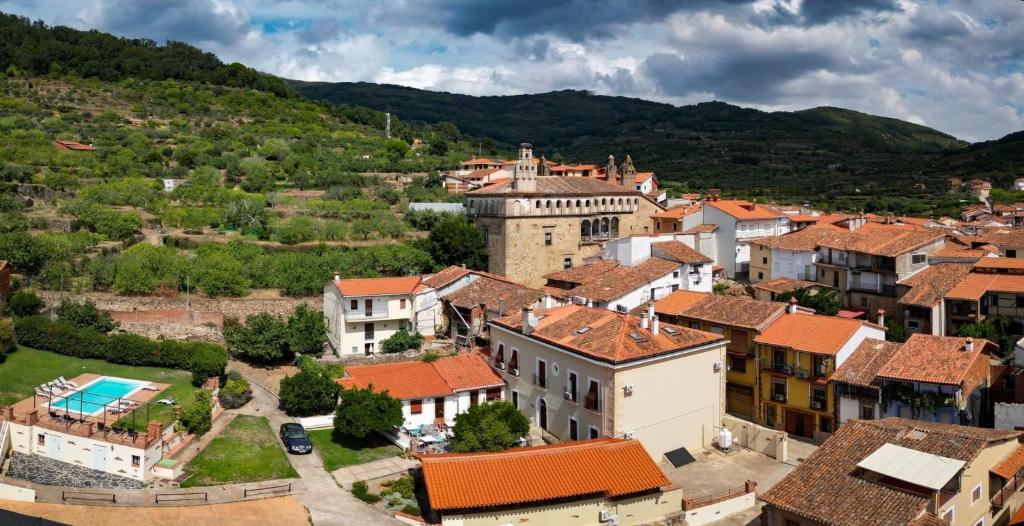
(789, 256)
(797, 354)
(994, 287)
(738, 223)
(922, 296)
(897, 472)
(361, 313)
(856, 385)
(580, 372)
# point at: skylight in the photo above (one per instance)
(670, 330)
(583, 330)
(636, 337)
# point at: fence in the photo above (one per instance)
(181, 497)
(694, 503)
(88, 495)
(712, 508)
(280, 488)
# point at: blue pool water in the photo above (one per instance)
(93, 396)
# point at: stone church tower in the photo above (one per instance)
(524, 173)
(627, 172)
(610, 171)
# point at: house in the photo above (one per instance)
(922, 296)
(856, 384)
(431, 393)
(73, 146)
(994, 287)
(1009, 240)
(645, 182)
(739, 222)
(468, 309)
(740, 320)
(678, 219)
(791, 255)
(938, 379)
(361, 313)
(771, 290)
(897, 472)
(590, 482)
(636, 248)
(1018, 184)
(980, 189)
(797, 354)
(866, 264)
(581, 372)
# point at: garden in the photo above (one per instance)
(247, 451)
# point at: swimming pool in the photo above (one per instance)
(93, 395)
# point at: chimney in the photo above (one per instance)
(337, 276)
(153, 431)
(969, 346)
(501, 308)
(792, 305)
(527, 318)
(650, 310)
(654, 326)
(881, 317)
(643, 321)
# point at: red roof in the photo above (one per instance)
(975, 285)
(936, 360)
(412, 380)
(446, 276)
(379, 286)
(744, 210)
(810, 333)
(604, 468)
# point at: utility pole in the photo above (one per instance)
(387, 125)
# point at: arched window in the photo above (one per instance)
(636, 202)
(558, 204)
(604, 227)
(596, 229)
(538, 203)
(579, 203)
(585, 229)
(604, 201)
(615, 227)
(548, 204)
(620, 201)
(587, 203)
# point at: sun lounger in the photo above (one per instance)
(151, 387)
(68, 383)
(167, 401)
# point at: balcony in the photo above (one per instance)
(1000, 500)
(779, 367)
(540, 381)
(873, 288)
(363, 314)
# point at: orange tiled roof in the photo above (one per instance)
(734, 311)
(605, 467)
(1011, 465)
(744, 210)
(809, 333)
(379, 286)
(680, 252)
(642, 176)
(411, 380)
(700, 229)
(929, 286)
(975, 285)
(446, 276)
(779, 285)
(884, 240)
(583, 274)
(481, 161)
(610, 337)
(489, 292)
(803, 240)
(679, 211)
(73, 145)
(480, 173)
(861, 368)
(679, 301)
(934, 359)
(1000, 263)
(623, 279)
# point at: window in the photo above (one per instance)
(769, 415)
(764, 260)
(515, 399)
(976, 494)
(540, 377)
(486, 234)
(948, 516)
(416, 406)
(401, 303)
(820, 365)
(567, 263)
(621, 308)
(818, 398)
(592, 432)
(1011, 253)
(499, 358)
(571, 385)
(493, 394)
(574, 432)
(867, 412)
(825, 424)
(693, 325)
(474, 398)
(513, 363)
(1020, 302)
(675, 274)
(439, 407)
(592, 400)
(778, 390)
(368, 331)
(41, 439)
(136, 460)
(738, 364)
(657, 224)
(547, 239)
(917, 259)
(354, 305)
(760, 275)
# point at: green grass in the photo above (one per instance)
(27, 368)
(339, 451)
(247, 451)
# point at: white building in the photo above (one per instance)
(361, 313)
(431, 393)
(739, 222)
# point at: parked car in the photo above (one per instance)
(296, 439)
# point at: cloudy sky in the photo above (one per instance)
(957, 66)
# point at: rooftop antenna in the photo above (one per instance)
(387, 125)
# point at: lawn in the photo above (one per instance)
(27, 368)
(338, 452)
(247, 451)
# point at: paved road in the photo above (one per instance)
(328, 503)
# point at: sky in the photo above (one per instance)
(957, 66)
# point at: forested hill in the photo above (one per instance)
(33, 48)
(824, 154)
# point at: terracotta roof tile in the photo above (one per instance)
(678, 212)
(610, 334)
(1011, 465)
(809, 333)
(590, 468)
(744, 210)
(975, 285)
(682, 253)
(411, 380)
(622, 280)
(677, 302)
(583, 273)
(735, 311)
(1004, 237)
(1000, 263)
(780, 285)
(934, 359)
(929, 286)
(378, 286)
(489, 291)
(862, 366)
(803, 240)
(700, 229)
(827, 487)
(446, 276)
(884, 240)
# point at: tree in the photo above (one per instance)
(401, 341)
(24, 252)
(363, 411)
(196, 417)
(7, 340)
(895, 331)
(396, 150)
(309, 392)
(219, 274)
(824, 301)
(85, 315)
(454, 241)
(263, 338)
(307, 331)
(25, 303)
(489, 427)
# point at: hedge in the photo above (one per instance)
(203, 360)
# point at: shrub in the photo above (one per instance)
(403, 486)
(401, 341)
(196, 417)
(25, 303)
(363, 411)
(263, 338)
(430, 356)
(235, 393)
(307, 331)
(362, 492)
(85, 315)
(489, 427)
(309, 392)
(6, 338)
(412, 509)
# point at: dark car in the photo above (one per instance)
(296, 439)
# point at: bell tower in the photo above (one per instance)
(524, 173)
